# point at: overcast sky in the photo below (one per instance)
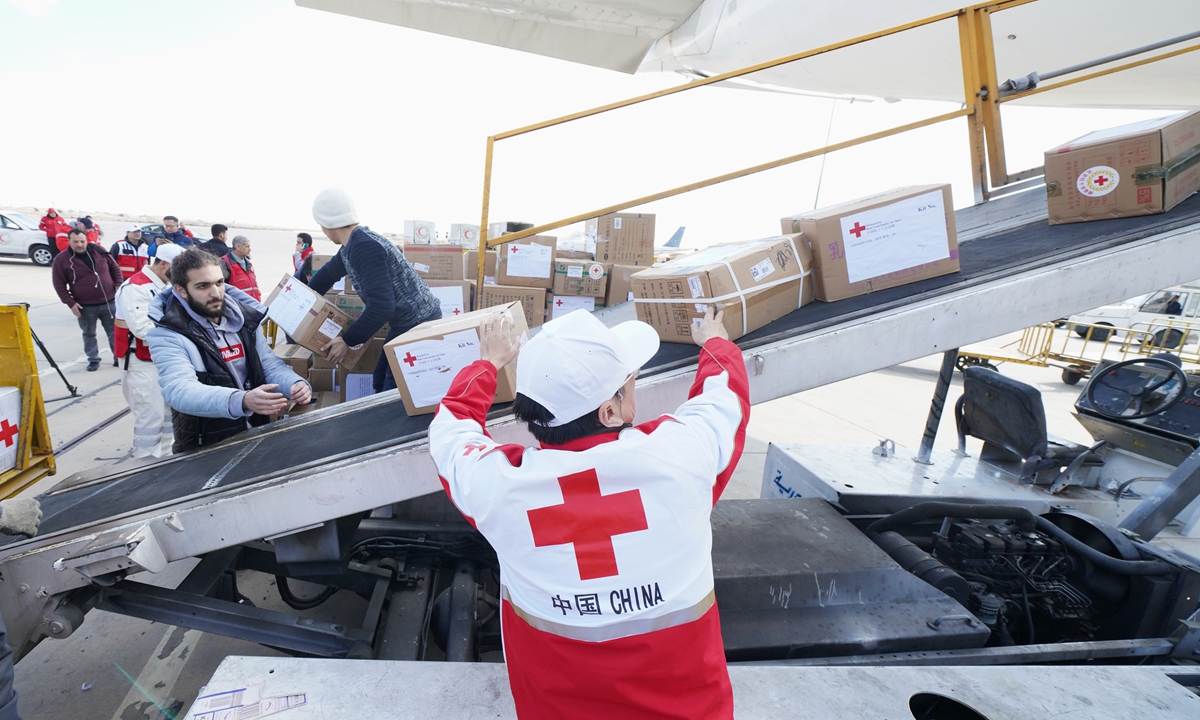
(242, 110)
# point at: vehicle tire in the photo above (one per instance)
(41, 255)
(1167, 341)
(1099, 334)
(1070, 377)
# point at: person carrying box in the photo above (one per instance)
(391, 290)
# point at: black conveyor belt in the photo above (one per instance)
(378, 424)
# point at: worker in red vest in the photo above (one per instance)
(152, 434)
(132, 253)
(607, 604)
(239, 271)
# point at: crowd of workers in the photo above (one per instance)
(184, 320)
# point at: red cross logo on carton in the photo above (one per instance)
(588, 520)
(857, 230)
(558, 303)
(8, 433)
(410, 359)
(514, 249)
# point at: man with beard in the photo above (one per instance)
(215, 368)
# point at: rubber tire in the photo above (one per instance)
(1070, 377)
(43, 252)
(1173, 340)
(1100, 335)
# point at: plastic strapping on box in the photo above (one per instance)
(739, 293)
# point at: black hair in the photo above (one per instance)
(218, 229)
(77, 231)
(86, 222)
(535, 416)
(170, 217)
(305, 238)
(191, 259)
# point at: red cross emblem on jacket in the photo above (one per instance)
(588, 520)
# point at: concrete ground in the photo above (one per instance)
(118, 667)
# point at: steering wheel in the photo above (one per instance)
(1134, 395)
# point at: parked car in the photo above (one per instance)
(20, 237)
(1177, 305)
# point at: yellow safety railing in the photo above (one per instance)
(982, 97)
(18, 368)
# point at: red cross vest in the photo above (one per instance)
(131, 259)
(607, 601)
(121, 334)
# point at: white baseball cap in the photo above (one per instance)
(168, 252)
(576, 363)
(132, 227)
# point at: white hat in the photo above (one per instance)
(167, 252)
(132, 227)
(576, 363)
(333, 208)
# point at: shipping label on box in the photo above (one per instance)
(426, 359)
(308, 318)
(455, 298)
(532, 300)
(464, 235)
(580, 277)
(878, 242)
(357, 385)
(419, 232)
(527, 263)
(471, 266)
(1141, 168)
(754, 283)
(562, 304)
(443, 263)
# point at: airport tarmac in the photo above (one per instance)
(122, 668)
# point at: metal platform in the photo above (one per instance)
(368, 454)
(346, 688)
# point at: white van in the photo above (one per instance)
(1175, 306)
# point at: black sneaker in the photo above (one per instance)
(93, 366)
(116, 363)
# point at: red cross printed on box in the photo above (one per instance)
(514, 248)
(457, 311)
(857, 230)
(558, 303)
(1101, 180)
(8, 433)
(588, 520)
(410, 359)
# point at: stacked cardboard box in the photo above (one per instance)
(457, 298)
(580, 277)
(464, 235)
(532, 301)
(426, 359)
(620, 283)
(320, 261)
(471, 266)
(419, 232)
(439, 263)
(311, 320)
(753, 282)
(559, 305)
(1138, 169)
(626, 238)
(297, 357)
(527, 263)
(894, 238)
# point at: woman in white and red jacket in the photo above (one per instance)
(602, 533)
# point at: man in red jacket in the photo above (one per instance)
(238, 269)
(53, 224)
(607, 598)
(86, 279)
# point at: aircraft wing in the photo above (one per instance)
(613, 34)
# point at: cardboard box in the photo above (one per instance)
(560, 254)
(533, 301)
(419, 232)
(464, 235)
(298, 358)
(1142, 168)
(294, 410)
(456, 298)
(894, 238)
(324, 380)
(356, 386)
(320, 261)
(626, 238)
(426, 359)
(753, 282)
(559, 305)
(471, 266)
(308, 318)
(368, 358)
(527, 263)
(620, 283)
(350, 303)
(442, 263)
(580, 277)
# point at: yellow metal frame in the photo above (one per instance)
(981, 108)
(18, 368)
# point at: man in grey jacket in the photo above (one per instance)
(215, 368)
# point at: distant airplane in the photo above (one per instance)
(675, 240)
(702, 38)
